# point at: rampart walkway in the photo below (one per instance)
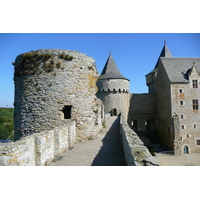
(104, 150)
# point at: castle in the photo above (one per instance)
(52, 86)
(169, 112)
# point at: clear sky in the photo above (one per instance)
(134, 53)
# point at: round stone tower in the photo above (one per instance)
(53, 86)
(113, 89)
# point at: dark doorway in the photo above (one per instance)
(113, 112)
(67, 112)
(186, 150)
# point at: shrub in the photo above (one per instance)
(66, 57)
(30, 62)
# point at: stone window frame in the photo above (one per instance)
(180, 90)
(195, 126)
(195, 83)
(66, 112)
(182, 126)
(197, 142)
(195, 104)
(181, 103)
(182, 116)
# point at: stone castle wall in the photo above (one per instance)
(142, 109)
(135, 152)
(115, 95)
(39, 149)
(53, 86)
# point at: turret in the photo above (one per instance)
(151, 77)
(113, 89)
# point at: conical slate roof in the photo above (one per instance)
(164, 53)
(111, 70)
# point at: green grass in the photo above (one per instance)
(6, 123)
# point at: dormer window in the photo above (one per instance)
(195, 83)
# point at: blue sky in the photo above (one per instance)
(134, 53)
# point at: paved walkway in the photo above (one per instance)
(179, 160)
(104, 150)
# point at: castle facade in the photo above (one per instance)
(169, 112)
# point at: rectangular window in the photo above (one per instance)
(181, 116)
(67, 112)
(181, 103)
(198, 142)
(195, 83)
(195, 126)
(180, 91)
(195, 104)
(183, 127)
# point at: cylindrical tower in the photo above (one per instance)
(113, 89)
(52, 86)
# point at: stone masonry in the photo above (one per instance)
(55, 86)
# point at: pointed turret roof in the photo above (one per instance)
(111, 70)
(164, 53)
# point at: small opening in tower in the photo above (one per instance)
(67, 112)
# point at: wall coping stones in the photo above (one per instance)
(136, 154)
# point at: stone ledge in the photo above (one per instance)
(40, 148)
(136, 154)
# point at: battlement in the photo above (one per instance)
(114, 90)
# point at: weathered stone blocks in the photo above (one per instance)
(136, 154)
(53, 85)
(39, 149)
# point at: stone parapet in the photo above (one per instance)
(39, 149)
(136, 154)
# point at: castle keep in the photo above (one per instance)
(53, 87)
(169, 113)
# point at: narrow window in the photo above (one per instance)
(195, 83)
(181, 103)
(67, 112)
(187, 135)
(198, 142)
(195, 104)
(181, 116)
(183, 127)
(195, 126)
(180, 91)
